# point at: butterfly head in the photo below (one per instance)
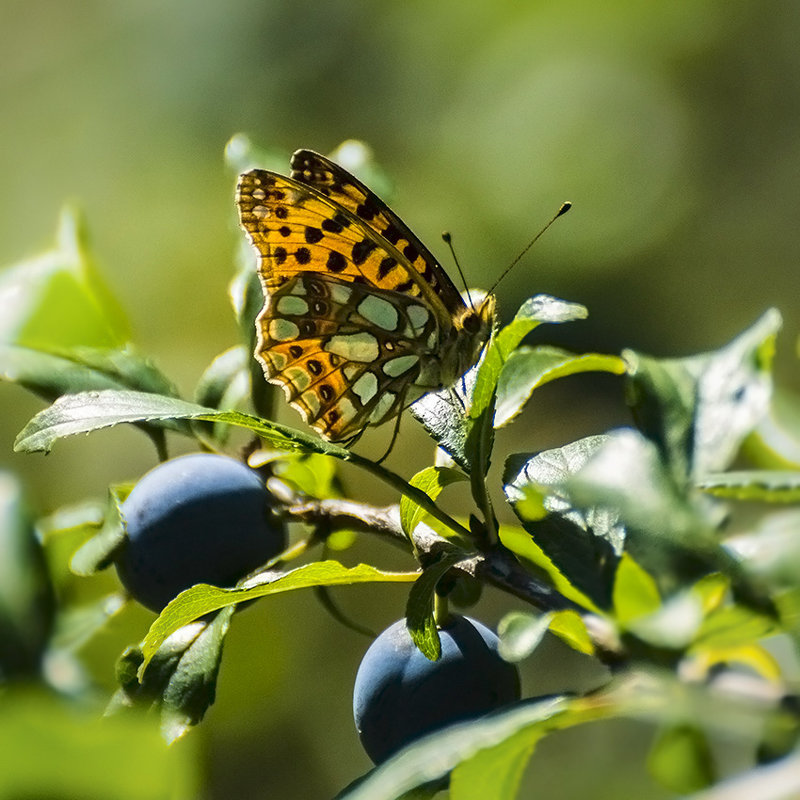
(474, 326)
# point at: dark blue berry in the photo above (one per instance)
(400, 695)
(200, 518)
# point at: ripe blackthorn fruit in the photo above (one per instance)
(200, 518)
(400, 695)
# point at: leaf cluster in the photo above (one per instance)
(626, 544)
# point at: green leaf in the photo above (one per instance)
(483, 397)
(311, 473)
(225, 382)
(27, 602)
(224, 385)
(180, 678)
(681, 759)
(673, 625)
(671, 536)
(752, 656)
(533, 312)
(635, 592)
(57, 299)
(775, 443)
(56, 747)
(53, 372)
(484, 755)
(203, 599)
(432, 481)
(520, 634)
(443, 415)
(732, 626)
(767, 486)
(419, 609)
(522, 544)
(626, 473)
(79, 625)
(89, 411)
(698, 410)
(451, 416)
(569, 626)
(771, 549)
(584, 544)
(98, 552)
(527, 368)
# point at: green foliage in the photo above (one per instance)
(622, 547)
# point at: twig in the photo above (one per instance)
(497, 567)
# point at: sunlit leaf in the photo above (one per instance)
(58, 300)
(775, 442)
(432, 481)
(626, 474)
(451, 416)
(520, 634)
(766, 486)
(203, 599)
(311, 473)
(527, 368)
(753, 656)
(569, 626)
(533, 312)
(635, 591)
(180, 677)
(584, 544)
(420, 620)
(698, 410)
(681, 759)
(90, 411)
(522, 544)
(732, 626)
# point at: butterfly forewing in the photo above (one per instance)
(298, 229)
(330, 179)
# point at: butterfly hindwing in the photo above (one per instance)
(345, 355)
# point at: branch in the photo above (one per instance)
(497, 567)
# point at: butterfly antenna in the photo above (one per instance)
(566, 206)
(448, 240)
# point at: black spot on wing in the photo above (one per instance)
(361, 251)
(386, 266)
(336, 261)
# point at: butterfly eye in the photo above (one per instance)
(471, 322)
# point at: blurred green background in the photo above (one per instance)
(672, 127)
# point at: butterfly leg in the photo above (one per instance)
(395, 434)
(348, 443)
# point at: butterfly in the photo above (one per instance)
(358, 313)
